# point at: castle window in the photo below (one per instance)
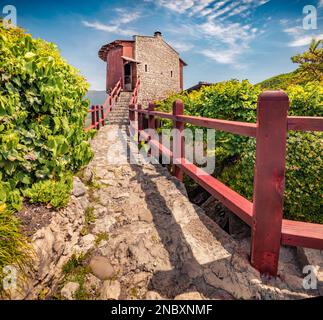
(171, 74)
(146, 68)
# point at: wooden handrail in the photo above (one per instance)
(134, 96)
(305, 123)
(100, 113)
(265, 214)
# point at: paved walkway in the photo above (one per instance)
(155, 243)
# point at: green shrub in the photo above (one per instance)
(14, 248)
(42, 108)
(234, 100)
(304, 163)
(306, 100)
(303, 185)
(56, 193)
(230, 100)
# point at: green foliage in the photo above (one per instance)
(311, 62)
(304, 189)
(306, 100)
(281, 81)
(53, 192)
(14, 247)
(101, 236)
(42, 108)
(235, 155)
(76, 270)
(88, 220)
(304, 171)
(230, 100)
(310, 69)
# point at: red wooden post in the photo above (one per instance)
(97, 112)
(178, 139)
(131, 113)
(140, 121)
(269, 181)
(151, 119)
(93, 116)
(102, 115)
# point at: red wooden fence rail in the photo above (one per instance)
(99, 114)
(265, 214)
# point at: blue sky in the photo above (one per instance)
(219, 40)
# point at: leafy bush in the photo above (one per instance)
(304, 163)
(14, 249)
(235, 155)
(306, 100)
(230, 100)
(53, 192)
(42, 108)
(303, 186)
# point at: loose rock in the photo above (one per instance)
(69, 290)
(79, 188)
(110, 290)
(101, 267)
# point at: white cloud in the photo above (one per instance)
(177, 5)
(210, 8)
(109, 28)
(225, 57)
(116, 26)
(304, 40)
(201, 6)
(228, 40)
(231, 34)
(300, 37)
(126, 17)
(181, 46)
(226, 9)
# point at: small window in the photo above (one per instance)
(171, 74)
(146, 68)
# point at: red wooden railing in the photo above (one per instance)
(100, 113)
(134, 97)
(265, 214)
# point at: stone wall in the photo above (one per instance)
(52, 246)
(163, 72)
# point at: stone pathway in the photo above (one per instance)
(154, 243)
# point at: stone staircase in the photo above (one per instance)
(120, 112)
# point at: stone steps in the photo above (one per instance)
(120, 112)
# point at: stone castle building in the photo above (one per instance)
(151, 58)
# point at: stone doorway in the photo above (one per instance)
(128, 76)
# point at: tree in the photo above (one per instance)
(311, 62)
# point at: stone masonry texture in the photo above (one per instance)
(162, 64)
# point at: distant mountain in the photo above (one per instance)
(96, 97)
